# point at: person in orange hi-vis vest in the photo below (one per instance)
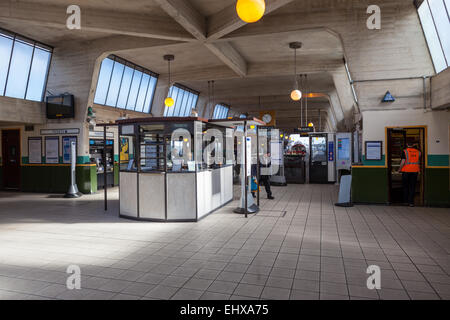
(410, 168)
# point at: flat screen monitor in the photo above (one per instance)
(60, 107)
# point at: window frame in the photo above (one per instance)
(15, 37)
(419, 4)
(219, 110)
(185, 98)
(135, 68)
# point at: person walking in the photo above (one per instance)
(410, 168)
(264, 175)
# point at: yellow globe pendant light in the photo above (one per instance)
(250, 10)
(169, 102)
(310, 124)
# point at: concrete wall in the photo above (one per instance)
(440, 90)
(374, 123)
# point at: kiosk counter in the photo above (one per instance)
(174, 169)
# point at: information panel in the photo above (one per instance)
(344, 149)
(51, 149)
(35, 150)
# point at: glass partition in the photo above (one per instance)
(127, 151)
(176, 147)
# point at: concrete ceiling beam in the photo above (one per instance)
(109, 22)
(187, 16)
(230, 56)
(190, 19)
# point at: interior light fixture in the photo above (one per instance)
(169, 102)
(250, 10)
(310, 124)
(296, 94)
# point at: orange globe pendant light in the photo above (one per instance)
(250, 10)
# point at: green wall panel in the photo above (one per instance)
(369, 185)
(438, 160)
(437, 187)
(381, 162)
(56, 179)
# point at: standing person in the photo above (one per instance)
(410, 168)
(264, 176)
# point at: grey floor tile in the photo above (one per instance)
(362, 292)
(248, 290)
(197, 284)
(162, 292)
(138, 289)
(392, 294)
(187, 294)
(174, 281)
(230, 276)
(214, 296)
(329, 296)
(334, 288)
(420, 286)
(256, 279)
(271, 293)
(222, 287)
(306, 285)
(304, 295)
(278, 282)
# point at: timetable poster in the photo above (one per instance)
(52, 150)
(34, 150)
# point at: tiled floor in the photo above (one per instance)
(300, 246)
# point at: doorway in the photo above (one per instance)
(11, 159)
(318, 166)
(397, 139)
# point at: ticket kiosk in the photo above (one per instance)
(168, 175)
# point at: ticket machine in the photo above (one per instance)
(322, 158)
(343, 154)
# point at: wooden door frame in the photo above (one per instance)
(424, 162)
(20, 156)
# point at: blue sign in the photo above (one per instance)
(331, 151)
(388, 97)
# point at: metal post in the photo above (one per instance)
(104, 169)
(258, 173)
(245, 169)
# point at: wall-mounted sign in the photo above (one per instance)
(51, 149)
(330, 151)
(67, 148)
(99, 134)
(388, 97)
(35, 150)
(344, 149)
(45, 132)
(374, 150)
(304, 130)
(127, 129)
(124, 149)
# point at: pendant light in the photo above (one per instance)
(296, 94)
(250, 10)
(169, 102)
